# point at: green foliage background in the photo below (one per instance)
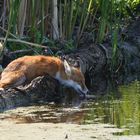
(31, 20)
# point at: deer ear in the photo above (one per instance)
(67, 68)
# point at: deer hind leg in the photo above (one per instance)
(20, 80)
(13, 80)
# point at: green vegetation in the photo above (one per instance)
(123, 110)
(46, 21)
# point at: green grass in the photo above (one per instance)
(99, 17)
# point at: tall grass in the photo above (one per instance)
(22, 17)
(35, 20)
(42, 18)
(12, 19)
(104, 19)
(68, 11)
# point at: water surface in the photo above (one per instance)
(119, 106)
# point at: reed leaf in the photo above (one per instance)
(104, 9)
(22, 17)
(33, 27)
(42, 18)
(55, 20)
(85, 20)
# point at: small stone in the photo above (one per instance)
(66, 137)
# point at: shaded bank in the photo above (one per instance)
(95, 62)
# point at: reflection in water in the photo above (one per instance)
(120, 107)
(123, 112)
(36, 114)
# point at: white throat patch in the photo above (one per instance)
(69, 83)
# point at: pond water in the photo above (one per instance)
(119, 106)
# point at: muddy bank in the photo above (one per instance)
(50, 131)
(61, 131)
(53, 124)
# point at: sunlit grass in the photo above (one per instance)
(102, 18)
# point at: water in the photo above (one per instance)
(122, 111)
(119, 106)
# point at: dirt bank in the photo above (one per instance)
(23, 124)
(50, 131)
(60, 131)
